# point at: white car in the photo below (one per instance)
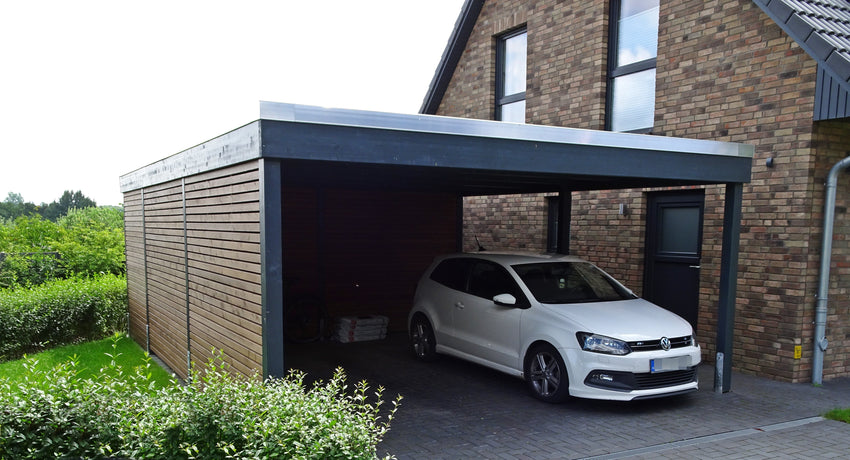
(561, 323)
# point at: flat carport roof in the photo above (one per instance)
(349, 148)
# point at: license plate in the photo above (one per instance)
(677, 363)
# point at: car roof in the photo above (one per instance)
(512, 258)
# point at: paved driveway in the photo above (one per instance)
(453, 409)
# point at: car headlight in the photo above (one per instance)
(602, 344)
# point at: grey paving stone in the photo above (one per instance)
(452, 409)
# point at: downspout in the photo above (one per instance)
(825, 260)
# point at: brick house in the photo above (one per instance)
(770, 73)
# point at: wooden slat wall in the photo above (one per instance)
(134, 255)
(213, 263)
(364, 251)
(223, 224)
(166, 275)
(361, 251)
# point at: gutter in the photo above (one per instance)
(820, 341)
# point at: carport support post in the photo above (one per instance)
(271, 267)
(565, 211)
(728, 286)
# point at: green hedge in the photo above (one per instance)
(60, 312)
(217, 415)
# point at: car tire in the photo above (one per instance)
(546, 374)
(422, 340)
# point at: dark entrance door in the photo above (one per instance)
(673, 249)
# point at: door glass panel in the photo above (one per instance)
(680, 230)
(489, 280)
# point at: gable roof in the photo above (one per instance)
(820, 27)
(451, 56)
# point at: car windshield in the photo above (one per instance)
(570, 282)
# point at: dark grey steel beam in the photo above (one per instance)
(459, 224)
(728, 286)
(565, 211)
(271, 267)
(354, 145)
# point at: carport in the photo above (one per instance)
(213, 231)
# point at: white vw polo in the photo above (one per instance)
(561, 323)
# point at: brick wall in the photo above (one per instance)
(725, 72)
(566, 59)
(832, 144)
(502, 222)
(612, 241)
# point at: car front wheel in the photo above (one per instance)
(422, 339)
(546, 374)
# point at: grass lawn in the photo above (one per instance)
(842, 415)
(92, 357)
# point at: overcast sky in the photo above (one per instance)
(92, 90)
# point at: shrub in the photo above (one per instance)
(60, 312)
(217, 415)
(91, 241)
(86, 242)
(29, 256)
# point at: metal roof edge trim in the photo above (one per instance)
(435, 124)
(237, 146)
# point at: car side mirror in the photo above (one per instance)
(505, 300)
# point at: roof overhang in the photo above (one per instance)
(351, 148)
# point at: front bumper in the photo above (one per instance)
(638, 375)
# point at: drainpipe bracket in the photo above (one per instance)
(823, 343)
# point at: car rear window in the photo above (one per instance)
(570, 282)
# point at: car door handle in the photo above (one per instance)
(694, 266)
(459, 305)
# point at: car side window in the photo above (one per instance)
(452, 273)
(488, 280)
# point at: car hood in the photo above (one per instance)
(628, 320)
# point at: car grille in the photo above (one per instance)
(651, 345)
(648, 381)
(627, 381)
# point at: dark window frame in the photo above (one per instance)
(503, 99)
(614, 71)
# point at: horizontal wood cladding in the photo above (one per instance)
(223, 232)
(193, 249)
(134, 256)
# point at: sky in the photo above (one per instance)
(92, 90)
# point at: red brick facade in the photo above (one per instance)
(725, 72)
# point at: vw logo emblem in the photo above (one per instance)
(665, 343)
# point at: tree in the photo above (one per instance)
(14, 206)
(69, 200)
(14, 198)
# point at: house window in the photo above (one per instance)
(631, 65)
(510, 77)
